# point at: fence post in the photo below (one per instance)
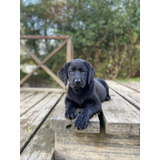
(69, 56)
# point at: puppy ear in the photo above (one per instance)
(91, 71)
(63, 73)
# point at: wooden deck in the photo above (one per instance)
(121, 121)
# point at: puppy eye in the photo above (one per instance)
(82, 71)
(71, 71)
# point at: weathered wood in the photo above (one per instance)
(73, 145)
(45, 68)
(41, 145)
(130, 95)
(60, 123)
(69, 51)
(54, 52)
(31, 120)
(87, 146)
(133, 85)
(28, 103)
(29, 75)
(55, 90)
(72, 47)
(120, 117)
(57, 37)
(44, 61)
(25, 95)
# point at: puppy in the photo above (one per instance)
(84, 91)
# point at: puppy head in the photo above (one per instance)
(78, 72)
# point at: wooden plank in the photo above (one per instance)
(28, 103)
(25, 95)
(31, 121)
(55, 90)
(60, 123)
(72, 47)
(41, 145)
(92, 146)
(130, 95)
(120, 117)
(69, 50)
(57, 37)
(133, 85)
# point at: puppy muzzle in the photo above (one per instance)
(77, 81)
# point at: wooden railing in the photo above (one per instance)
(41, 64)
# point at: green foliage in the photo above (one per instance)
(22, 74)
(129, 80)
(104, 32)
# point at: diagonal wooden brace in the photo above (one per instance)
(41, 64)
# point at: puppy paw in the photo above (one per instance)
(70, 114)
(81, 122)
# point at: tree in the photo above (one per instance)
(104, 32)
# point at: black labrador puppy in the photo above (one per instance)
(84, 91)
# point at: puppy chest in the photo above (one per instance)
(79, 100)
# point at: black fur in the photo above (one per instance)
(84, 91)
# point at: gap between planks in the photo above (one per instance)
(126, 93)
(39, 125)
(31, 101)
(41, 146)
(120, 117)
(54, 90)
(131, 85)
(25, 95)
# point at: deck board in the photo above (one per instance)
(120, 117)
(129, 94)
(25, 95)
(93, 146)
(31, 120)
(133, 85)
(29, 102)
(59, 122)
(41, 145)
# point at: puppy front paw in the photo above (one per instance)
(81, 122)
(70, 114)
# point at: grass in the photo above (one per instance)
(137, 79)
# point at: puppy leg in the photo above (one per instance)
(83, 119)
(106, 87)
(107, 90)
(70, 109)
(108, 96)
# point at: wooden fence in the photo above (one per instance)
(41, 64)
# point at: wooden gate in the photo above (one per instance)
(41, 64)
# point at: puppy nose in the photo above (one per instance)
(77, 81)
